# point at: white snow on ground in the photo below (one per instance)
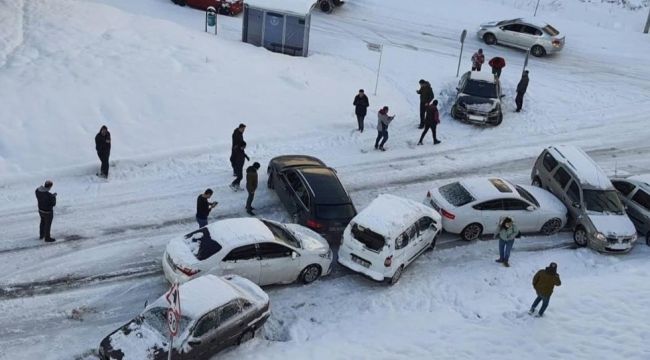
(171, 95)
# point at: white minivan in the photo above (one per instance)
(387, 236)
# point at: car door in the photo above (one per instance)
(412, 249)
(639, 210)
(288, 180)
(277, 263)
(230, 326)
(626, 191)
(204, 337)
(242, 261)
(528, 36)
(426, 232)
(518, 210)
(510, 34)
(491, 212)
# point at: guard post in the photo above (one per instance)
(211, 19)
(462, 43)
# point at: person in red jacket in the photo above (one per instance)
(477, 60)
(431, 121)
(497, 63)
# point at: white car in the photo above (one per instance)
(387, 236)
(476, 206)
(263, 251)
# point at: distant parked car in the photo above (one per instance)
(596, 212)
(479, 99)
(216, 313)
(387, 236)
(634, 191)
(312, 193)
(538, 36)
(263, 251)
(474, 207)
(224, 7)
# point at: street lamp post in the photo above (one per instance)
(647, 24)
(536, 6)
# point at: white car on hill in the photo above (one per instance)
(387, 236)
(474, 207)
(263, 251)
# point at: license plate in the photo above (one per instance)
(476, 118)
(337, 228)
(360, 261)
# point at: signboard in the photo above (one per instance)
(172, 321)
(174, 312)
(374, 47)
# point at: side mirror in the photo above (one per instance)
(457, 88)
(576, 205)
(502, 96)
(530, 208)
(194, 342)
(294, 255)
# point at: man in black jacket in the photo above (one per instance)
(251, 186)
(237, 160)
(103, 147)
(237, 140)
(521, 90)
(361, 104)
(426, 95)
(203, 207)
(46, 204)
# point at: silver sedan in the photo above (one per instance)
(534, 35)
(634, 191)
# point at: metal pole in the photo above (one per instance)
(536, 6)
(216, 22)
(525, 62)
(381, 52)
(647, 24)
(459, 58)
(206, 21)
(171, 346)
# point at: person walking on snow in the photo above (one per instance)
(361, 104)
(506, 234)
(46, 203)
(237, 140)
(521, 90)
(426, 95)
(251, 186)
(431, 121)
(383, 120)
(477, 60)
(237, 160)
(543, 282)
(103, 147)
(497, 63)
(203, 207)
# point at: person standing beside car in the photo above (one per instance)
(46, 203)
(251, 186)
(426, 95)
(522, 86)
(383, 120)
(543, 282)
(203, 207)
(361, 104)
(477, 60)
(103, 147)
(506, 234)
(431, 121)
(497, 64)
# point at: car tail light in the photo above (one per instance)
(314, 224)
(447, 214)
(389, 261)
(557, 43)
(187, 271)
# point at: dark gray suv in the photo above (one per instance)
(479, 99)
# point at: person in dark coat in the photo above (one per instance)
(521, 90)
(203, 207)
(103, 147)
(251, 186)
(431, 121)
(477, 60)
(497, 64)
(237, 160)
(543, 283)
(361, 104)
(237, 140)
(426, 95)
(46, 203)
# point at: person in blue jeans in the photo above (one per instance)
(383, 120)
(506, 234)
(543, 282)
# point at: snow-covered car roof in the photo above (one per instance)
(645, 179)
(388, 215)
(482, 76)
(489, 188)
(585, 167)
(237, 232)
(302, 7)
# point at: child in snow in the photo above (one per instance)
(506, 234)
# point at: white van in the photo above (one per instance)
(387, 236)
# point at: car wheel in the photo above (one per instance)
(472, 232)
(580, 236)
(454, 114)
(551, 227)
(499, 119)
(246, 336)
(269, 182)
(490, 39)
(647, 239)
(326, 6)
(537, 182)
(396, 275)
(310, 274)
(537, 51)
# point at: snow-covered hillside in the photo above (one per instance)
(171, 96)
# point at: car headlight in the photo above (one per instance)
(600, 236)
(494, 112)
(634, 237)
(327, 255)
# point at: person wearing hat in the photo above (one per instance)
(46, 203)
(431, 121)
(237, 140)
(383, 120)
(361, 104)
(426, 95)
(103, 147)
(521, 90)
(251, 186)
(203, 207)
(477, 60)
(543, 283)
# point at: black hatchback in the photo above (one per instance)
(312, 193)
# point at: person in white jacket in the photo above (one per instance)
(383, 120)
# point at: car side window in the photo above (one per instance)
(424, 223)
(527, 29)
(512, 27)
(294, 180)
(406, 237)
(514, 204)
(623, 187)
(273, 251)
(303, 195)
(573, 192)
(246, 252)
(208, 322)
(549, 162)
(490, 205)
(642, 198)
(228, 312)
(562, 177)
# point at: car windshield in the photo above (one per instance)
(550, 30)
(281, 234)
(603, 201)
(526, 195)
(506, 22)
(456, 194)
(481, 89)
(201, 243)
(369, 238)
(332, 212)
(157, 319)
